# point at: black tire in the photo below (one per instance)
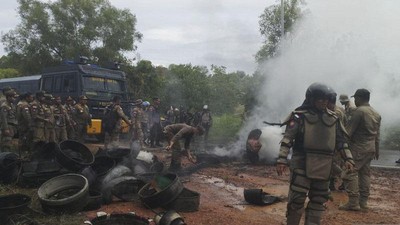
(74, 155)
(126, 219)
(153, 199)
(9, 166)
(13, 204)
(187, 201)
(67, 193)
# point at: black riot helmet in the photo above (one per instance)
(317, 91)
(332, 95)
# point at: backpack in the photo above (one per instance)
(109, 120)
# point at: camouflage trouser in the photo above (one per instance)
(81, 132)
(25, 141)
(176, 149)
(37, 136)
(111, 140)
(61, 134)
(137, 134)
(357, 183)
(7, 143)
(50, 134)
(301, 187)
(71, 133)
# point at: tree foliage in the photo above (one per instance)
(64, 29)
(270, 26)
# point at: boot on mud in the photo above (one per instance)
(332, 184)
(293, 217)
(364, 204)
(351, 205)
(313, 217)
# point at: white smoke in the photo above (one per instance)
(345, 44)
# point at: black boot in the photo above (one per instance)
(175, 166)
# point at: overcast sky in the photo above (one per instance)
(220, 32)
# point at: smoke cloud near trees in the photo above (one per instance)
(344, 44)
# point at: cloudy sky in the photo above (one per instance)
(220, 32)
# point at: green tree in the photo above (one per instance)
(63, 29)
(270, 22)
(187, 86)
(227, 89)
(7, 73)
(145, 81)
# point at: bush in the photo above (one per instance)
(225, 127)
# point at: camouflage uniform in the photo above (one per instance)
(145, 126)
(61, 120)
(174, 133)
(49, 128)
(137, 117)
(38, 122)
(9, 125)
(24, 125)
(112, 138)
(363, 129)
(71, 126)
(82, 119)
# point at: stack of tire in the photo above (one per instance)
(69, 192)
(9, 166)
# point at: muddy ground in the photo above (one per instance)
(222, 202)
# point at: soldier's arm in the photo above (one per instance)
(35, 115)
(4, 122)
(377, 140)
(342, 145)
(293, 127)
(122, 115)
(354, 122)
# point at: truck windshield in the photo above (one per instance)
(103, 84)
(102, 88)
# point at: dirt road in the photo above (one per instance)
(222, 202)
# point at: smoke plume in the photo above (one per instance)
(344, 44)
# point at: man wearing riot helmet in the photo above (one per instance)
(314, 133)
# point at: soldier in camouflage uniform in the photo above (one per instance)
(174, 133)
(61, 120)
(337, 159)
(364, 130)
(49, 126)
(136, 118)
(38, 119)
(112, 137)
(82, 118)
(3, 98)
(348, 107)
(71, 126)
(25, 122)
(9, 122)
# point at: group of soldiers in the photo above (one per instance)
(316, 131)
(146, 128)
(39, 118)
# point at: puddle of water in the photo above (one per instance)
(237, 199)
